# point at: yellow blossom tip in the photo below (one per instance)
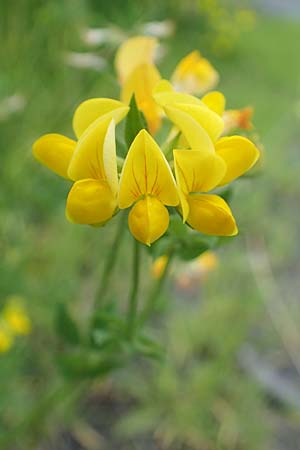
(54, 151)
(92, 109)
(132, 53)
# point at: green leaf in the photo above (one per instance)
(65, 326)
(135, 121)
(192, 248)
(148, 347)
(86, 364)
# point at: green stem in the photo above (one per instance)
(110, 262)
(133, 298)
(157, 289)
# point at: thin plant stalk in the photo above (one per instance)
(133, 297)
(155, 292)
(110, 262)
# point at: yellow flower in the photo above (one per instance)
(141, 83)
(201, 125)
(208, 160)
(6, 338)
(16, 317)
(138, 75)
(198, 172)
(233, 118)
(90, 162)
(194, 74)
(134, 52)
(148, 184)
(208, 261)
(158, 266)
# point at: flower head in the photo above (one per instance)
(204, 161)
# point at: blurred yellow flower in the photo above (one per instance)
(6, 338)
(194, 74)
(14, 321)
(137, 73)
(134, 52)
(148, 184)
(208, 261)
(158, 266)
(16, 317)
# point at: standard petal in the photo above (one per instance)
(146, 171)
(239, 155)
(87, 161)
(55, 152)
(215, 101)
(90, 202)
(90, 110)
(134, 52)
(211, 215)
(194, 74)
(197, 171)
(141, 83)
(195, 134)
(212, 123)
(148, 220)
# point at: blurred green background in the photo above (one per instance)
(231, 379)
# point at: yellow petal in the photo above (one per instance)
(239, 155)
(215, 101)
(148, 220)
(90, 202)
(164, 94)
(55, 152)
(141, 82)
(212, 123)
(90, 110)
(211, 215)
(195, 134)
(196, 171)
(146, 171)
(87, 161)
(134, 52)
(184, 207)
(194, 74)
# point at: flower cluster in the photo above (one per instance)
(14, 321)
(203, 160)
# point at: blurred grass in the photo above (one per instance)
(47, 260)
